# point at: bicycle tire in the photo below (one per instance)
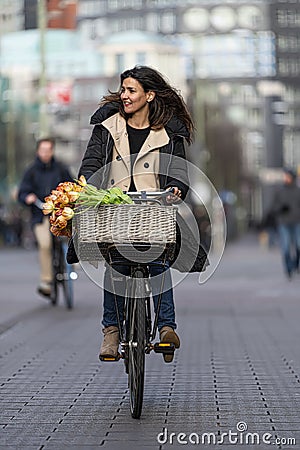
(54, 292)
(68, 290)
(61, 275)
(55, 269)
(136, 346)
(67, 283)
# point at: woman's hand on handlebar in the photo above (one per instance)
(175, 195)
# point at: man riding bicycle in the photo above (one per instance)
(43, 175)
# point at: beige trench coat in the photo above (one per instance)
(146, 166)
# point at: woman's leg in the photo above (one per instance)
(114, 286)
(285, 244)
(44, 241)
(114, 281)
(166, 318)
(297, 246)
(167, 309)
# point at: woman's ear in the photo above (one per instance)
(150, 96)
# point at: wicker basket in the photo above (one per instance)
(132, 224)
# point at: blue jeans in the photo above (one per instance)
(290, 246)
(167, 309)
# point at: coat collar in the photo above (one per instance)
(116, 125)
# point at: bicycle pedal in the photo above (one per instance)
(164, 347)
(109, 358)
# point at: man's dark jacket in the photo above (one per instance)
(286, 204)
(40, 179)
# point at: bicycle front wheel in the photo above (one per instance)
(136, 345)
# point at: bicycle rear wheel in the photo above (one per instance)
(55, 269)
(64, 275)
(136, 345)
(67, 282)
(54, 293)
(61, 274)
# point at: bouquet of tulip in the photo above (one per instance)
(63, 202)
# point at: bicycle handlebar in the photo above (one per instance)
(152, 196)
(38, 203)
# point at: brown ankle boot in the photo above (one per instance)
(110, 344)
(168, 335)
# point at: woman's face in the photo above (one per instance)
(133, 96)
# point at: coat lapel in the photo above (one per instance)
(155, 140)
(116, 126)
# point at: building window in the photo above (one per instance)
(134, 3)
(289, 43)
(113, 4)
(288, 17)
(101, 28)
(141, 58)
(120, 63)
(289, 66)
(282, 67)
(168, 22)
(152, 21)
(282, 42)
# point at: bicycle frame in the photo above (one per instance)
(62, 272)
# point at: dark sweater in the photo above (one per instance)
(136, 137)
(286, 204)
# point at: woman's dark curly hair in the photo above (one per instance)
(167, 102)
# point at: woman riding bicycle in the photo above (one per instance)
(137, 144)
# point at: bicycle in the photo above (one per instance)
(63, 274)
(136, 331)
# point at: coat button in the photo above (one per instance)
(146, 165)
(112, 181)
(118, 158)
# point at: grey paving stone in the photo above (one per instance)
(239, 361)
(68, 439)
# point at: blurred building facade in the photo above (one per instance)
(236, 62)
(78, 74)
(118, 52)
(242, 62)
(11, 16)
(60, 14)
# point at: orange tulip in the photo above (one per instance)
(60, 222)
(82, 181)
(48, 207)
(67, 213)
(73, 196)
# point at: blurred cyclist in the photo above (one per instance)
(286, 207)
(43, 175)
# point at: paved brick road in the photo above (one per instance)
(239, 362)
